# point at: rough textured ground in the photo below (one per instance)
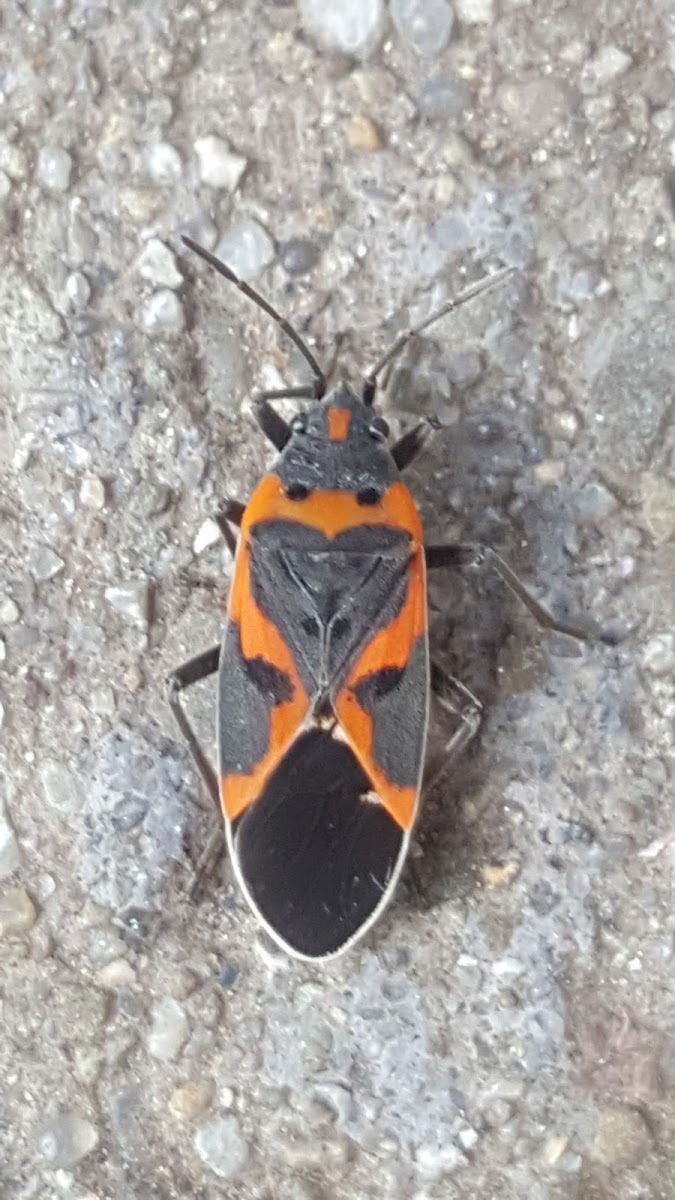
(510, 1034)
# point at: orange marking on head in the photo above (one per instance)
(339, 420)
(332, 511)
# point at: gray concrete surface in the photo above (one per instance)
(507, 1032)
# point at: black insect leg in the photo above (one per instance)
(276, 430)
(198, 668)
(483, 556)
(193, 671)
(455, 698)
(230, 512)
(409, 445)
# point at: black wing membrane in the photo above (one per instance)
(316, 856)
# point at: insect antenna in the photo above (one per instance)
(319, 386)
(474, 289)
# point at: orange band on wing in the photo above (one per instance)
(261, 639)
(391, 647)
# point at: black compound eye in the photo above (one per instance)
(369, 495)
(299, 423)
(378, 429)
(297, 491)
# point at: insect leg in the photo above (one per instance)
(483, 556)
(229, 512)
(193, 671)
(454, 697)
(197, 668)
(409, 445)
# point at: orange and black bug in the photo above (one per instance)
(323, 672)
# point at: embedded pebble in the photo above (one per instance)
(92, 492)
(78, 291)
(191, 1100)
(54, 167)
(426, 24)
(607, 65)
(433, 1162)
(10, 856)
(443, 98)
(554, 1148)
(657, 494)
(18, 914)
(45, 563)
(475, 12)
(468, 1138)
(163, 163)
(162, 314)
(298, 255)
(221, 1147)
(169, 1030)
(157, 264)
(246, 248)
(9, 611)
(549, 472)
(61, 789)
(5, 185)
(658, 656)
(219, 166)
(13, 161)
(499, 874)
(132, 601)
(622, 1138)
(363, 135)
(594, 502)
(116, 974)
(66, 1140)
(351, 27)
(208, 535)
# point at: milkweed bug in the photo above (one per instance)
(324, 676)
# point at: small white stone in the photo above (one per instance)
(9, 611)
(116, 974)
(10, 855)
(54, 166)
(468, 1138)
(658, 656)
(426, 24)
(18, 914)
(66, 1140)
(169, 1031)
(221, 1147)
(163, 163)
(131, 601)
(157, 264)
(162, 314)
(92, 492)
(78, 291)
(609, 63)
(61, 788)
(352, 27)
(207, 535)
(219, 166)
(246, 248)
(433, 1162)
(5, 185)
(45, 563)
(475, 12)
